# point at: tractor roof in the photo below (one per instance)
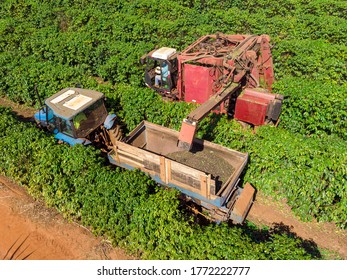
(70, 101)
(163, 53)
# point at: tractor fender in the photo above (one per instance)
(243, 204)
(109, 121)
(70, 140)
(40, 117)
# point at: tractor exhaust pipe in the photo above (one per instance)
(38, 96)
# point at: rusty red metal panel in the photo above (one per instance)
(199, 82)
(244, 201)
(258, 95)
(252, 104)
(250, 109)
(187, 133)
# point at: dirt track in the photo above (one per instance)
(51, 237)
(23, 112)
(44, 232)
(326, 235)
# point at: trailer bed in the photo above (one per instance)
(153, 149)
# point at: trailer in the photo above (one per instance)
(153, 149)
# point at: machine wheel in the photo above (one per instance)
(115, 133)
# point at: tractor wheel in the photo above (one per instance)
(115, 133)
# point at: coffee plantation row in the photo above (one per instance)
(98, 44)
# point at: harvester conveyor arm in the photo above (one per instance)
(204, 109)
(189, 125)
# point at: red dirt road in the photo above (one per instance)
(46, 235)
(326, 235)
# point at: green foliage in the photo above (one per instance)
(158, 228)
(310, 173)
(313, 108)
(226, 132)
(313, 59)
(139, 104)
(98, 44)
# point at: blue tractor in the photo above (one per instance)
(79, 116)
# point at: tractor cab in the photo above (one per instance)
(74, 114)
(161, 69)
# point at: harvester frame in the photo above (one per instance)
(230, 74)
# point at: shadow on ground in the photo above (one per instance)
(260, 235)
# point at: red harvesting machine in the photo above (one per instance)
(230, 74)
